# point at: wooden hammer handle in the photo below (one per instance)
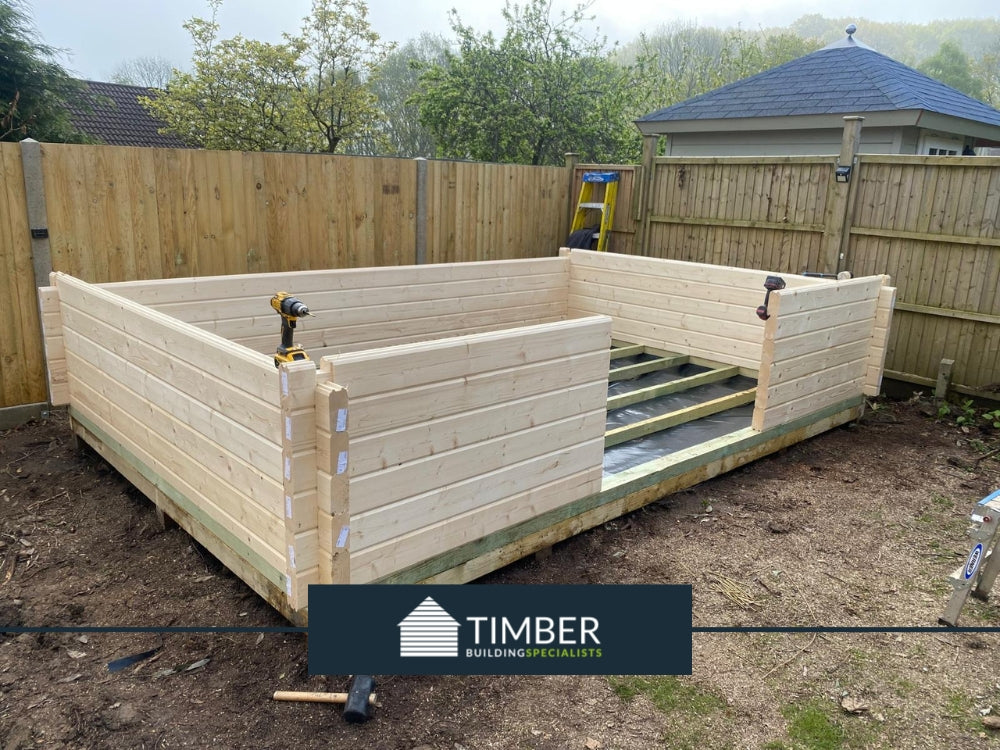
(307, 697)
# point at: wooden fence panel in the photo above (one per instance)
(765, 213)
(479, 211)
(141, 213)
(22, 364)
(933, 225)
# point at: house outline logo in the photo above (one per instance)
(428, 631)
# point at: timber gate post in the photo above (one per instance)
(572, 159)
(650, 144)
(838, 198)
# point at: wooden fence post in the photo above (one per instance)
(650, 144)
(572, 159)
(421, 209)
(838, 197)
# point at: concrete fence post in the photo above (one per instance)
(421, 210)
(38, 225)
(38, 219)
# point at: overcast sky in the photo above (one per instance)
(100, 34)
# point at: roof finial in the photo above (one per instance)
(851, 28)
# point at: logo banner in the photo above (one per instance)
(500, 629)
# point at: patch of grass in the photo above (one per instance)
(905, 688)
(962, 709)
(942, 502)
(811, 726)
(817, 725)
(690, 710)
(669, 693)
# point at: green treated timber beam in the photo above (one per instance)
(630, 350)
(633, 371)
(674, 418)
(674, 386)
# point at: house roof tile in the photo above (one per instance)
(845, 77)
(115, 116)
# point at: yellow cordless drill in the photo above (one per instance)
(290, 309)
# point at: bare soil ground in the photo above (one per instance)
(859, 526)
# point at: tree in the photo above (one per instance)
(151, 72)
(987, 69)
(308, 93)
(951, 66)
(400, 132)
(682, 61)
(238, 97)
(540, 91)
(341, 55)
(36, 93)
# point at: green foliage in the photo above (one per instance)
(541, 90)
(400, 130)
(966, 413)
(669, 694)
(681, 61)
(987, 70)
(35, 91)
(951, 66)
(910, 43)
(339, 54)
(308, 93)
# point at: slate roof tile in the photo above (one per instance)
(116, 117)
(841, 78)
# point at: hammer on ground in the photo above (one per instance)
(357, 701)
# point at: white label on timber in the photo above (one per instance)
(977, 519)
(288, 586)
(284, 383)
(288, 428)
(291, 556)
(342, 462)
(342, 539)
(288, 467)
(341, 420)
(288, 506)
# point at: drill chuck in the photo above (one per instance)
(294, 307)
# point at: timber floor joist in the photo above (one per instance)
(631, 362)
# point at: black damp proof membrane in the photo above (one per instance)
(633, 453)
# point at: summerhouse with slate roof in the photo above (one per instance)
(798, 109)
(114, 116)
